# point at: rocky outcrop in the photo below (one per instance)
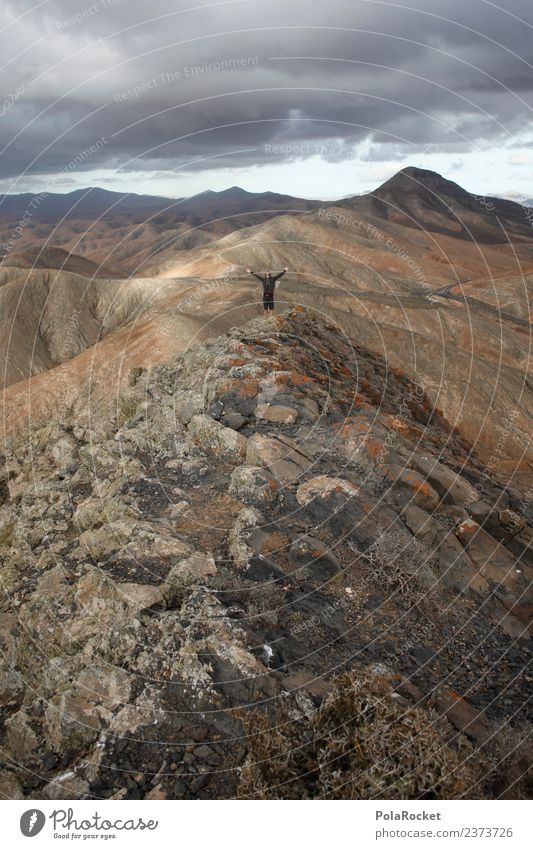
(267, 513)
(284, 457)
(212, 435)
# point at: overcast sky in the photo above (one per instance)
(314, 98)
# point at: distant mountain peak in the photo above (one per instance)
(418, 197)
(234, 192)
(419, 173)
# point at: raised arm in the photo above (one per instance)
(280, 274)
(249, 270)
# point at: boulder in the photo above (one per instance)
(521, 546)
(233, 419)
(106, 685)
(322, 487)
(100, 460)
(95, 511)
(245, 537)
(513, 584)
(139, 596)
(71, 724)
(103, 541)
(130, 718)
(66, 786)
(309, 408)
(187, 407)
(276, 413)
(347, 510)
(185, 574)
(22, 741)
(455, 568)
(283, 456)
(452, 488)
(64, 451)
(93, 586)
(253, 486)
(487, 553)
(503, 525)
(452, 564)
(162, 545)
(53, 588)
(364, 441)
(421, 524)
(409, 486)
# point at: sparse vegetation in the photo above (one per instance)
(511, 753)
(127, 408)
(405, 570)
(362, 743)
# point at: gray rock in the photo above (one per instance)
(245, 537)
(223, 441)
(421, 524)
(184, 575)
(276, 413)
(319, 562)
(64, 451)
(455, 568)
(452, 488)
(187, 407)
(71, 724)
(409, 486)
(22, 741)
(253, 486)
(233, 420)
(347, 510)
(66, 786)
(106, 685)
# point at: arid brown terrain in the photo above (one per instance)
(269, 558)
(414, 271)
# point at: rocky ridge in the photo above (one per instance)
(272, 520)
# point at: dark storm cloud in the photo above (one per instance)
(167, 86)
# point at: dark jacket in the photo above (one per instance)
(269, 282)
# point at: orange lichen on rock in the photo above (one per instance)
(247, 387)
(296, 378)
(236, 361)
(407, 430)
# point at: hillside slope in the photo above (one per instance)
(49, 316)
(125, 230)
(451, 312)
(277, 538)
(57, 258)
(424, 199)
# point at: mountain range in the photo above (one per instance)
(420, 270)
(284, 557)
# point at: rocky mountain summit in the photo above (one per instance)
(438, 278)
(277, 573)
(424, 199)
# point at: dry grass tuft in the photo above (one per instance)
(362, 743)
